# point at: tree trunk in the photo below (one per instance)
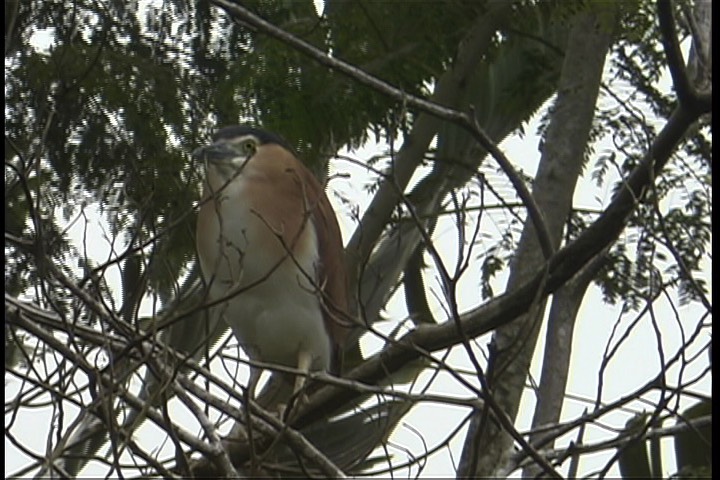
(560, 166)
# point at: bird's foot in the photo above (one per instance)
(287, 412)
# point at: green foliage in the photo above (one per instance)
(126, 94)
(683, 232)
(132, 92)
(109, 112)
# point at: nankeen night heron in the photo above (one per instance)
(271, 253)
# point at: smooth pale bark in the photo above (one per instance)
(560, 165)
(564, 308)
(449, 91)
(700, 60)
(459, 155)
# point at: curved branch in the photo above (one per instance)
(510, 305)
(414, 283)
(247, 17)
(686, 91)
(666, 23)
(363, 239)
(618, 442)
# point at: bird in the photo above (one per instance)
(271, 253)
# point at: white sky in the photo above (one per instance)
(633, 366)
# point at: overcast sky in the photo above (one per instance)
(634, 365)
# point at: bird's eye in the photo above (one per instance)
(248, 146)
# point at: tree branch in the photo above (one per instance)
(668, 36)
(617, 442)
(508, 306)
(686, 91)
(556, 358)
(470, 51)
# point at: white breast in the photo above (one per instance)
(276, 312)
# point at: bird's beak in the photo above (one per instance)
(215, 152)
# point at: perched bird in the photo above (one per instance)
(271, 253)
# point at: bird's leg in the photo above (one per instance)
(298, 397)
(255, 373)
(304, 362)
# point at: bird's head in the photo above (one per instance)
(234, 146)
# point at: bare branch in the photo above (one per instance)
(470, 51)
(670, 43)
(686, 92)
(619, 442)
(505, 308)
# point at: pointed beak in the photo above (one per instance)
(215, 152)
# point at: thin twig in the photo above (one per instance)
(464, 120)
